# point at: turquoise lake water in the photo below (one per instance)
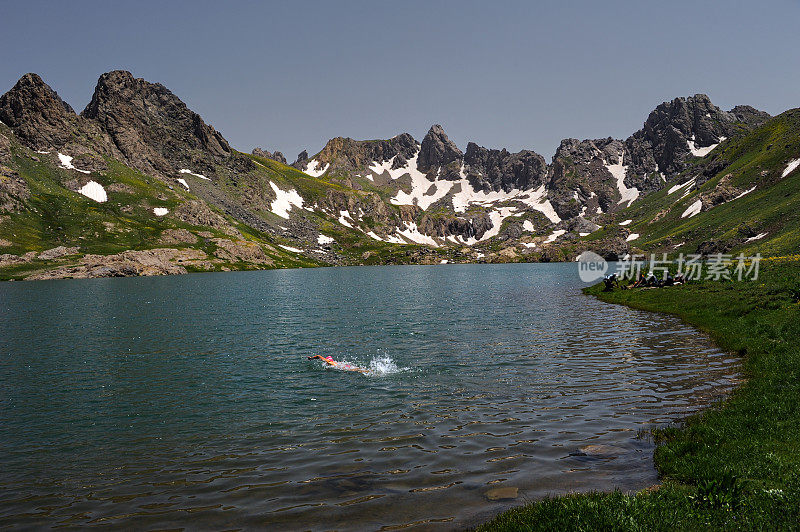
(188, 401)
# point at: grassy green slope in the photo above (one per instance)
(55, 216)
(734, 466)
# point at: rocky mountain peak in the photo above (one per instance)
(344, 153)
(676, 129)
(489, 169)
(437, 150)
(151, 127)
(584, 151)
(38, 116)
(750, 116)
(31, 88)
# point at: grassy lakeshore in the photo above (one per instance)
(735, 465)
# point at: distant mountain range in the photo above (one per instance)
(138, 184)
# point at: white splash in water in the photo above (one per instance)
(383, 365)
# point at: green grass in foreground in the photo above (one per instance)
(734, 466)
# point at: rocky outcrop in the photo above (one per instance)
(196, 212)
(37, 115)
(578, 182)
(301, 161)
(500, 170)
(610, 248)
(241, 251)
(177, 236)
(90, 161)
(437, 152)
(127, 264)
(662, 145)
(722, 193)
(275, 156)
(472, 225)
(749, 117)
(152, 128)
(57, 252)
(369, 205)
(5, 149)
(579, 224)
(9, 259)
(346, 154)
(13, 191)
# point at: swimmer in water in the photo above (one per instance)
(339, 365)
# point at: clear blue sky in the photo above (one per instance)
(290, 75)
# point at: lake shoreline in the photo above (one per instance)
(160, 262)
(733, 464)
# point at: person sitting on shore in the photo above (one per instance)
(610, 281)
(642, 281)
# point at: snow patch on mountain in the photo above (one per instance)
(66, 162)
(394, 239)
(693, 209)
(793, 164)
(183, 182)
(536, 199)
(632, 237)
(702, 152)
(554, 235)
(94, 190)
(746, 192)
(343, 216)
(757, 237)
(497, 216)
(313, 169)
(324, 239)
(284, 201)
(187, 171)
(412, 233)
(627, 195)
(290, 248)
(379, 168)
(424, 192)
(675, 188)
(160, 211)
(626, 222)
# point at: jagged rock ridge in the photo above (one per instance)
(489, 169)
(151, 127)
(346, 154)
(433, 189)
(275, 156)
